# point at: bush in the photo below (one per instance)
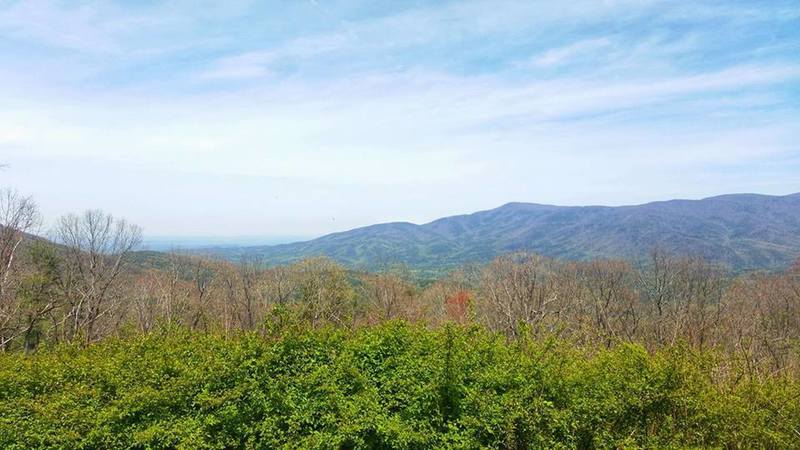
(391, 386)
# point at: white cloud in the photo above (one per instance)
(426, 128)
(562, 55)
(385, 118)
(256, 64)
(91, 27)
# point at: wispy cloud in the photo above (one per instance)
(256, 64)
(308, 109)
(563, 54)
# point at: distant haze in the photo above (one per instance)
(166, 243)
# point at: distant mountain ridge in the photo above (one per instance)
(743, 231)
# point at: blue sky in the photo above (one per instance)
(305, 117)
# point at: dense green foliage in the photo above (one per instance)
(391, 386)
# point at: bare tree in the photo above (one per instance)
(387, 295)
(175, 291)
(657, 285)
(249, 269)
(203, 279)
(18, 216)
(700, 301)
(515, 290)
(280, 285)
(610, 299)
(242, 289)
(97, 246)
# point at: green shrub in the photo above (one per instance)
(392, 386)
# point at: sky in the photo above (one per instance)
(300, 118)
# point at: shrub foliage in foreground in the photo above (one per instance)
(390, 386)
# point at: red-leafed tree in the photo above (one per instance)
(457, 306)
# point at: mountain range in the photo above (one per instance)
(741, 231)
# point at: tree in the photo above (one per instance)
(18, 216)
(250, 270)
(684, 296)
(324, 293)
(243, 291)
(516, 290)
(387, 296)
(657, 285)
(610, 301)
(96, 247)
(38, 293)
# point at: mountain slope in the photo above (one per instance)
(744, 231)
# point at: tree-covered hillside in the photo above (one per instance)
(743, 232)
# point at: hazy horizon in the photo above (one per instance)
(305, 118)
(186, 241)
(177, 242)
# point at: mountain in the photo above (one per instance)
(742, 231)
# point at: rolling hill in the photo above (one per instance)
(742, 231)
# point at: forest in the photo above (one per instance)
(104, 346)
